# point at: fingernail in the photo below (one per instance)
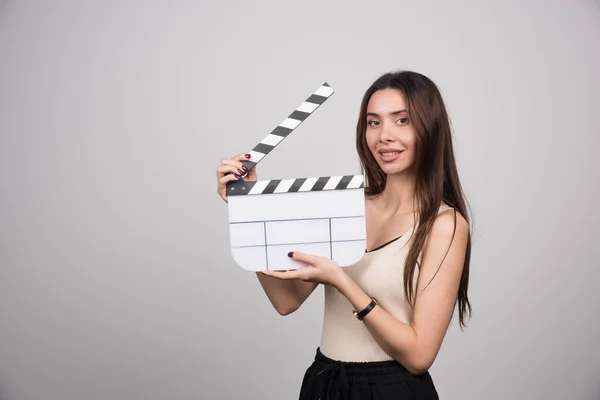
(290, 254)
(244, 168)
(240, 171)
(237, 176)
(248, 156)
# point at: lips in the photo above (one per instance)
(389, 150)
(388, 154)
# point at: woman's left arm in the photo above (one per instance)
(416, 345)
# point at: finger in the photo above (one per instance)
(240, 169)
(294, 274)
(236, 161)
(306, 258)
(245, 157)
(233, 162)
(242, 156)
(229, 169)
(228, 178)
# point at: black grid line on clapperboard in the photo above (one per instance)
(266, 245)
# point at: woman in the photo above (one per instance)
(386, 316)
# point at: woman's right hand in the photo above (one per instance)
(231, 169)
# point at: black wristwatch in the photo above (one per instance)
(363, 313)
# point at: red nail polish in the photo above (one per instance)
(290, 254)
(248, 156)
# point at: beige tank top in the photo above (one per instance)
(380, 274)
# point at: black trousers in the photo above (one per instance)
(328, 379)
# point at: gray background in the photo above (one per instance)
(115, 275)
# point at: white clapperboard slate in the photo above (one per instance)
(322, 215)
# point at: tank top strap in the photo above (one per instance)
(444, 208)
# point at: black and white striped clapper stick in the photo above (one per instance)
(322, 215)
(288, 125)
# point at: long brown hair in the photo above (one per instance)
(436, 173)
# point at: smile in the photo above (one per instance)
(389, 155)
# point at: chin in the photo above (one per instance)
(393, 169)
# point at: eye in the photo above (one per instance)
(372, 123)
(403, 121)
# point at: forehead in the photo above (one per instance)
(386, 100)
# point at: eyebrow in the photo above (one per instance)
(391, 113)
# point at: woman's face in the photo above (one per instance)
(390, 135)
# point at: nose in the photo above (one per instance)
(386, 133)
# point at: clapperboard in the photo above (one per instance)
(322, 215)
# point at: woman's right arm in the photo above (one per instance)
(286, 296)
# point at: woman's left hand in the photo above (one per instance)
(317, 269)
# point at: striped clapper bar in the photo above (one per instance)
(324, 216)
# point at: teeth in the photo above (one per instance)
(391, 154)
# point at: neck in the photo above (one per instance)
(399, 192)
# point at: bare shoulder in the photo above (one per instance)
(448, 224)
(446, 244)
